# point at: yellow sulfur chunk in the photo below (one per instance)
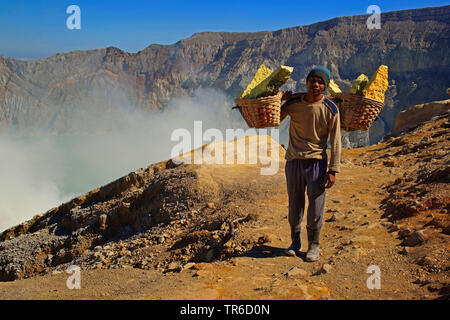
(359, 84)
(272, 84)
(262, 73)
(378, 84)
(333, 87)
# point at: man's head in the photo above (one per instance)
(317, 80)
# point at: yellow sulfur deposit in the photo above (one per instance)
(333, 87)
(359, 84)
(378, 84)
(263, 86)
(262, 73)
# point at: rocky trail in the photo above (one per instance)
(219, 232)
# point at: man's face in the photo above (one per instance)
(315, 85)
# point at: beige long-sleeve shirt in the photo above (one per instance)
(311, 126)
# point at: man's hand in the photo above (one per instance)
(286, 95)
(330, 179)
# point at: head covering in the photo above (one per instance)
(322, 73)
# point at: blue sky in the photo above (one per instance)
(37, 28)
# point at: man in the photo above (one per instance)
(314, 119)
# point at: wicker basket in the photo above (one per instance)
(260, 112)
(357, 112)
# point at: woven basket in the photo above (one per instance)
(357, 112)
(260, 112)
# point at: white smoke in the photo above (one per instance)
(41, 172)
(30, 174)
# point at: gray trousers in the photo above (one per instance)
(309, 174)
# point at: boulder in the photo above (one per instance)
(420, 113)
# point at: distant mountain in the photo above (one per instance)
(413, 43)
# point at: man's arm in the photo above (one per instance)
(334, 129)
(286, 96)
(289, 97)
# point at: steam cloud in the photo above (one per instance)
(42, 171)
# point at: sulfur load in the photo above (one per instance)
(333, 87)
(262, 73)
(378, 84)
(263, 86)
(359, 84)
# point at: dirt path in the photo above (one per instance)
(354, 237)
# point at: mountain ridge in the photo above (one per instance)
(413, 43)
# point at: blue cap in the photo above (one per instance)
(323, 69)
(320, 72)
